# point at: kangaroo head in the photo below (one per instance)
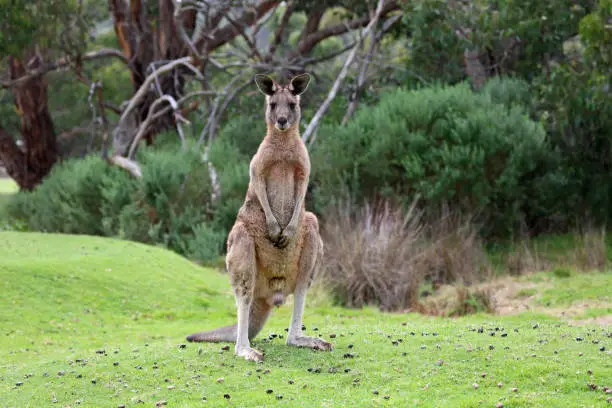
(282, 101)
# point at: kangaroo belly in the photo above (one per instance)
(280, 185)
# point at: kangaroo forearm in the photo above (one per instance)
(299, 202)
(262, 195)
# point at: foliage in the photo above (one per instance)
(519, 37)
(170, 205)
(575, 102)
(51, 25)
(447, 145)
(104, 309)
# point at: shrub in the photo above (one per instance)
(170, 205)
(70, 200)
(444, 144)
(509, 92)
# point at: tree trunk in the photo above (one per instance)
(30, 163)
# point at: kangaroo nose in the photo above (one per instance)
(282, 121)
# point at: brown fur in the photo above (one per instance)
(274, 246)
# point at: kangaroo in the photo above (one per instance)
(274, 247)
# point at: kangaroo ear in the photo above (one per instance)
(299, 84)
(266, 85)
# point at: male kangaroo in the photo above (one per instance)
(274, 246)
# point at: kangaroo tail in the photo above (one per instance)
(260, 311)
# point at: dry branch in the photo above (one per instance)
(314, 123)
(63, 63)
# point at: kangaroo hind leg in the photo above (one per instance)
(310, 259)
(241, 266)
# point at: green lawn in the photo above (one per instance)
(95, 322)
(8, 186)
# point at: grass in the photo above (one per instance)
(8, 186)
(101, 322)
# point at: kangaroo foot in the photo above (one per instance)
(310, 342)
(249, 353)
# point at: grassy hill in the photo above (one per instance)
(90, 321)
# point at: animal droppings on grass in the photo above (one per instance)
(347, 370)
(19, 383)
(500, 384)
(279, 397)
(94, 381)
(332, 336)
(182, 346)
(267, 371)
(483, 375)
(386, 397)
(602, 348)
(227, 396)
(375, 392)
(116, 363)
(100, 351)
(60, 373)
(480, 330)
(499, 405)
(514, 389)
(535, 326)
(220, 379)
(291, 382)
(349, 355)
(475, 385)
(579, 339)
(269, 391)
(504, 334)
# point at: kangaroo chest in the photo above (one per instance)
(281, 180)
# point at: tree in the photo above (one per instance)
(175, 52)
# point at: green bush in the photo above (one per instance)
(70, 200)
(509, 92)
(170, 205)
(447, 145)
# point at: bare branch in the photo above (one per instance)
(64, 62)
(343, 72)
(278, 34)
(308, 42)
(144, 88)
(227, 33)
(361, 79)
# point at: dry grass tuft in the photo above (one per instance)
(383, 255)
(590, 253)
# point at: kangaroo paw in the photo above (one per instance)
(310, 342)
(249, 354)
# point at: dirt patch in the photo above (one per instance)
(510, 296)
(600, 320)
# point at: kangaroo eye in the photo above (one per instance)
(292, 106)
(272, 105)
